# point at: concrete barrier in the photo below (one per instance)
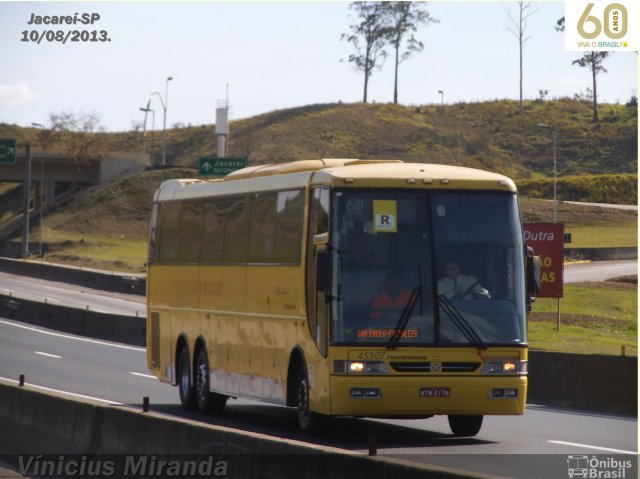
(602, 254)
(584, 381)
(90, 278)
(53, 425)
(92, 324)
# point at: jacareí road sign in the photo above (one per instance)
(8, 152)
(215, 166)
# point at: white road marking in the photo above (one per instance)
(77, 338)
(82, 396)
(599, 448)
(55, 356)
(143, 375)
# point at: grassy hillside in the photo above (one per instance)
(614, 189)
(491, 135)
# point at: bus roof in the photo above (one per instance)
(337, 172)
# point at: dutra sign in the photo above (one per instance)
(547, 241)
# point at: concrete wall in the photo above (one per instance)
(119, 163)
(33, 422)
(92, 324)
(91, 278)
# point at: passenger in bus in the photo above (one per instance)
(392, 300)
(460, 286)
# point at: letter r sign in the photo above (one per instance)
(385, 223)
(385, 216)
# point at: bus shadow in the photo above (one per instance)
(345, 433)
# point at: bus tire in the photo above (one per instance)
(185, 383)
(308, 421)
(465, 426)
(207, 401)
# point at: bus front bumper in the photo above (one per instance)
(388, 396)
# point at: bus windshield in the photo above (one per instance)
(427, 268)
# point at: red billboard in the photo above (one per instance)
(547, 241)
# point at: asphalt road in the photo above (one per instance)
(70, 295)
(536, 445)
(599, 270)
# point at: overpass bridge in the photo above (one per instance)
(50, 169)
(55, 175)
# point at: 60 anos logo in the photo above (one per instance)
(614, 22)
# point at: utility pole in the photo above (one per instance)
(25, 201)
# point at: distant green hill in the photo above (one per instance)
(489, 135)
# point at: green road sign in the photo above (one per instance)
(213, 166)
(8, 152)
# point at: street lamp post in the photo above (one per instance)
(555, 166)
(441, 99)
(164, 121)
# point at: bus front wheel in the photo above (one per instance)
(464, 426)
(185, 384)
(207, 400)
(308, 421)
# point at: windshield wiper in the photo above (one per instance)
(401, 325)
(461, 322)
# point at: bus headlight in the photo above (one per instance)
(505, 366)
(360, 367)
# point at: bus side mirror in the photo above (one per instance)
(533, 274)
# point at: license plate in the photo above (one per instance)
(435, 392)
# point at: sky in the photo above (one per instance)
(274, 55)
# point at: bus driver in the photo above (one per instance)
(459, 286)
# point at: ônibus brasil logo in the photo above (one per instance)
(597, 468)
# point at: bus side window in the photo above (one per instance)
(154, 225)
(212, 231)
(190, 232)
(289, 219)
(236, 230)
(263, 228)
(169, 232)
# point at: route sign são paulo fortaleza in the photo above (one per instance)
(214, 166)
(547, 241)
(8, 152)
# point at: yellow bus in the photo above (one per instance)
(342, 288)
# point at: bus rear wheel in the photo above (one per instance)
(185, 384)
(207, 400)
(465, 426)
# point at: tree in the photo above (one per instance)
(79, 132)
(368, 38)
(593, 60)
(518, 28)
(403, 20)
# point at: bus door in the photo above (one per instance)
(317, 264)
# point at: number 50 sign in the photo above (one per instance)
(601, 25)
